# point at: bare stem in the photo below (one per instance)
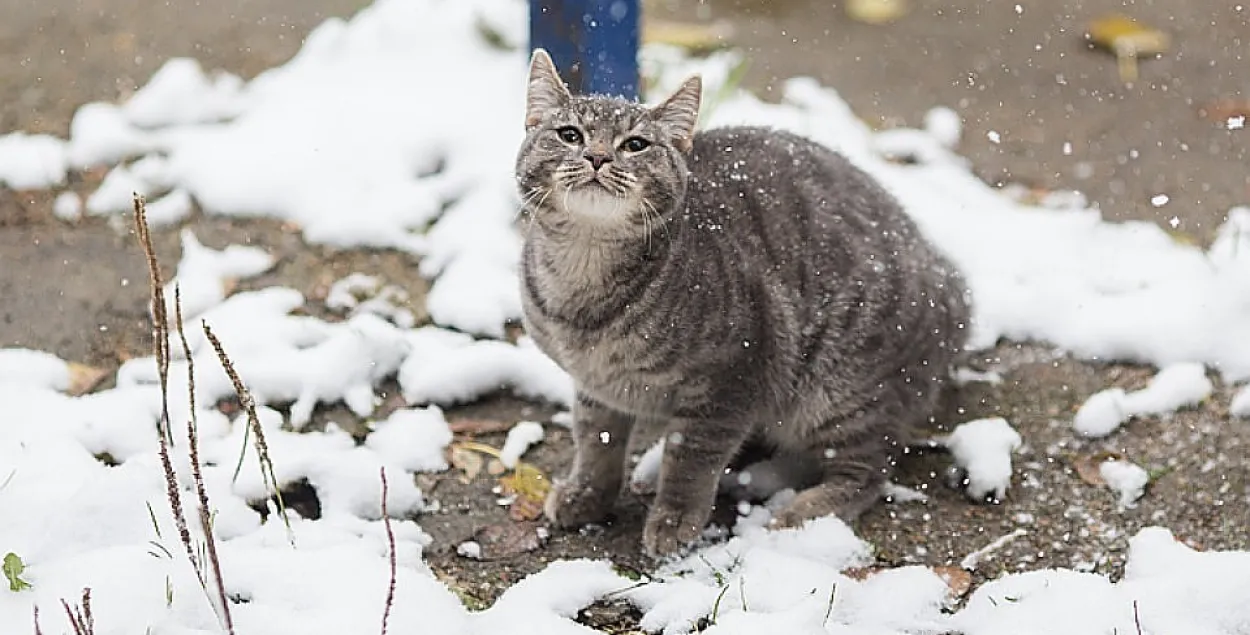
(390, 542)
(258, 433)
(160, 346)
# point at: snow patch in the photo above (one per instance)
(1127, 479)
(1174, 387)
(983, 449)
(520, 438)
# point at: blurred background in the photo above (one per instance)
(1042, 105)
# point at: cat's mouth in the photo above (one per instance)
(594, 199)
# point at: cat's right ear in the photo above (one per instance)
(546, 91)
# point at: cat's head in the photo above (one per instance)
(603, 162)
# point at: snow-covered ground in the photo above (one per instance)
(398, 129)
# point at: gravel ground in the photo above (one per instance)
(80, 291)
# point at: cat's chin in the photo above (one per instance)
(595, 203)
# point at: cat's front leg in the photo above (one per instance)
(588, 493)
(696, 453)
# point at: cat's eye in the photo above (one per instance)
(635, 144)
(569, 134)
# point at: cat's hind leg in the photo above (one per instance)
(853, 475)
(589, 492)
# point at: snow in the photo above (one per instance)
(358, 142)
(983, 449)
(646, 472)
(23, 366)
(1174, 387)
(1240, 406)
(169, 209)
(204, 273)
(1125, 478)
(180, 93)
(520, 438)
(67, 206)
(359, 293)
(31, 161)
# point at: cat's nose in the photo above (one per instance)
(597, 159)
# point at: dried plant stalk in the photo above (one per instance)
(258, 433)
(160, 346)
(390, 543)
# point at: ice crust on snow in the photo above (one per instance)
(983, 449)
(1174, 387)
(355, 122)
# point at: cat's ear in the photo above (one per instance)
(680, 112)
(546, 91)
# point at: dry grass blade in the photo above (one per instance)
(197, 471)
(390, 543)
(160, 346)
(80, 617)
(253, 421)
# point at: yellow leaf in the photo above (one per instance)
(876, 11)
(83, 378)
(1128, 39)
(692, 37)
(465, 460)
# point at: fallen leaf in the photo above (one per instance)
(474, 427)
(13, 568)
(1228, 112)
(507, 539)
(467, 461)
(958, 580)
(693, 37)
(530, 486)
(1089, 466)
(524, 509)
(876, 11)
(526, 481)
(1128, 39)
(83, 378)
(862, 573)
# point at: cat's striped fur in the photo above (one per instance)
(732, 285)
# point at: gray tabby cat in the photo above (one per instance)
(732, 285)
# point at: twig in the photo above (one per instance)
(80, 617)
(38, 629)
(833, 593)
(249, 406)
(1136, 618)
(390, 542)
(160, 346)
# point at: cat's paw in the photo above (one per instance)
(827, 499)
(668, 529)
(569, 505)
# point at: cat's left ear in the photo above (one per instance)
(680, 112)
(546, 91)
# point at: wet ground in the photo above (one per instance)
(1026, 74)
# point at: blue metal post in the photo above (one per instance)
(594, 43)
